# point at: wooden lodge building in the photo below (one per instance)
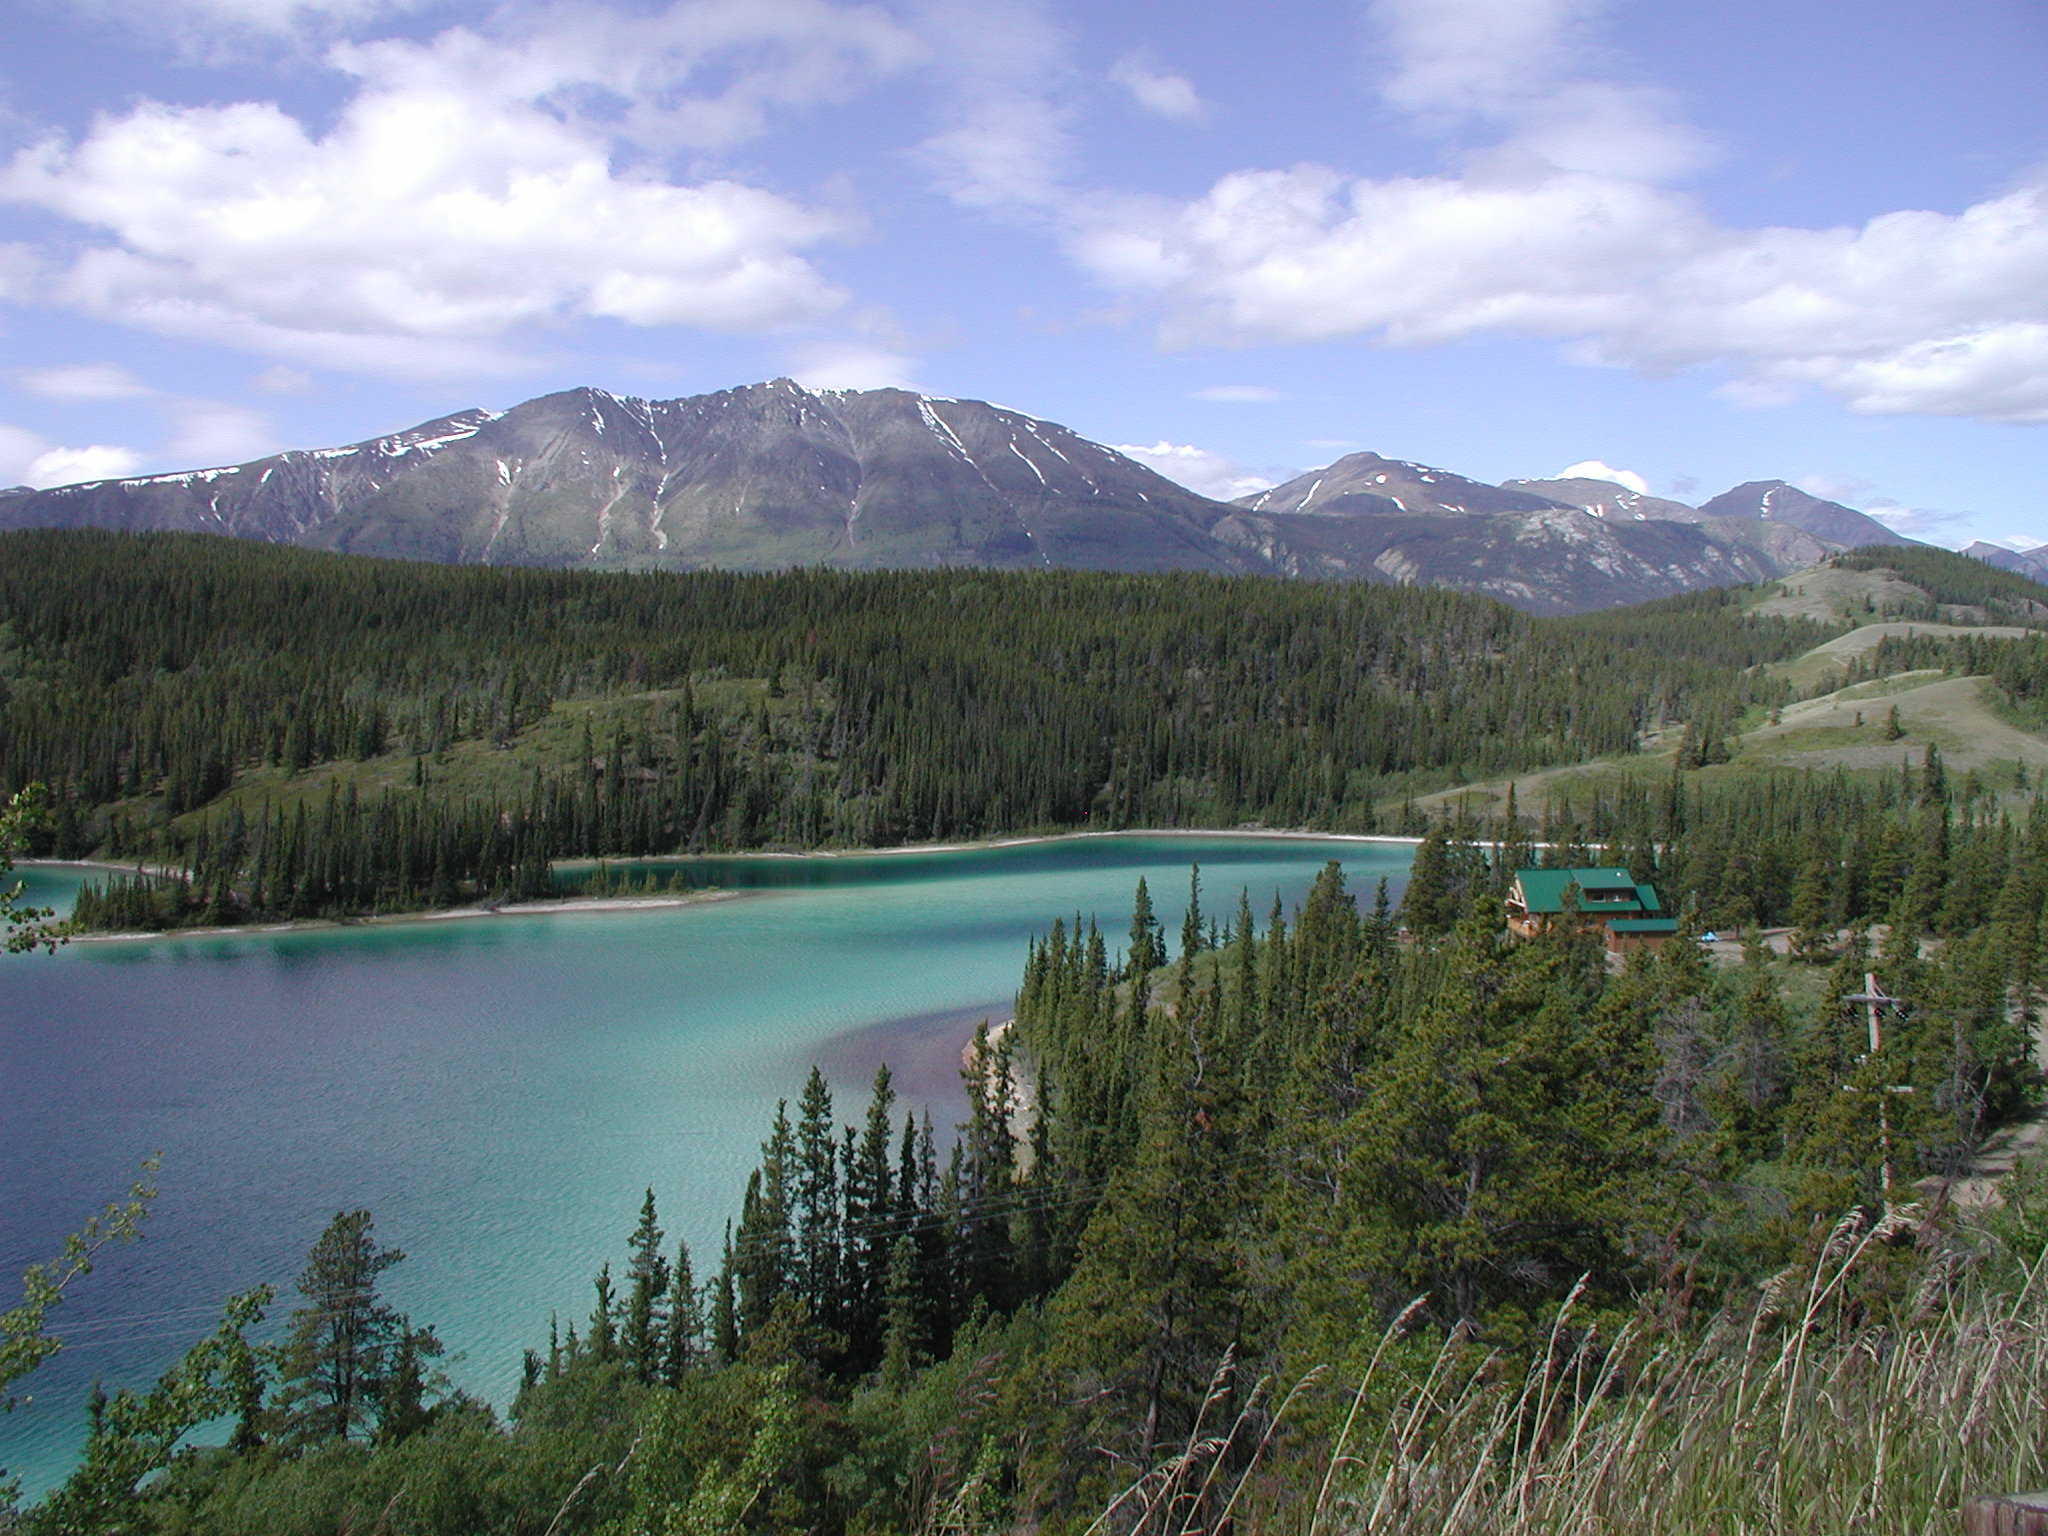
(1627, 913)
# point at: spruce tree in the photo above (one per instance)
(872, 1222)
(764, 1250)
(603, 1339)
(725, 1310)
(1430, 903)
(647, 1287)
(682, 1345)
(338, 1349)
(817, 1213)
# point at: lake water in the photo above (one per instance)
(500, 1091)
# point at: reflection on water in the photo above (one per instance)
(500, 1091)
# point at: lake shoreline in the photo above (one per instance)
(1021, 841)
(577, 904)
(567, 906)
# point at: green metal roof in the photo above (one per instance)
(1600, 890)
(1643, 925)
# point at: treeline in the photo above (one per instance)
(1192, 1169)
(2018, 669)
(1952, 580)
(142, 678)
(1815, 849)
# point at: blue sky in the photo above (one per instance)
(1800, 239)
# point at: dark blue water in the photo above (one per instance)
(499, 1091)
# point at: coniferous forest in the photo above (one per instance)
(1347, 1218)
(300, 735)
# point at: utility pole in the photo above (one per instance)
(1873, 997)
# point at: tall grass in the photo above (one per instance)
(1818, 1412)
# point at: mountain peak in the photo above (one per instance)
(774, 474)
(1360, 484)
(1777, 501)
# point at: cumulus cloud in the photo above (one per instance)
(470, 188)
(1238, 394)
(27, 458)
(1593, 469)
(1199, 469)
(852, 365)
(84, 381)
(1157, 91)
(1564, 226)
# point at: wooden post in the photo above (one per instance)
(1873, 997)
(2015, 1514)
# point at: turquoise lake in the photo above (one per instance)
(499, 1091)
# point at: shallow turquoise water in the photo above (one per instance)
(500, 1091)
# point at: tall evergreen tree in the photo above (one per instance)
(338, 1348)
(682, 1345)
(647, 1291)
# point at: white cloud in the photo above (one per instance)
(207, 432)
(84, 381)
(1158, 92)
(1593, 469)
(1924, 523)
(1533, 68)
(26, 458)
(1563, 228)
(69, 466)
(852, 365)
(18, 449)
(697, 74)
(1238, 394)
(1200, 470)
(469, 189)
(1008, 141)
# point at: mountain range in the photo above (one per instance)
(773, 475)
(2028, 562)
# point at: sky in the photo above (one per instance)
(1681, 246)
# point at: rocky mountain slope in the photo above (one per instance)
(1776, 502)
(774, 475)
(764, 476)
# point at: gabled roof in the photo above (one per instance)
(1607, 890)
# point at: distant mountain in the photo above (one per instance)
(2028, 562)
(1604, 498)
(764, 476)
(1775, 501)
(1552, 560)
(1362, 483)
(774, 475)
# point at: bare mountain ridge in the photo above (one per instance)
(765, 476)
(773, 475)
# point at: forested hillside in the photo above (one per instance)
(1339, 1219)
(318, 735)
(1455, 1232)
